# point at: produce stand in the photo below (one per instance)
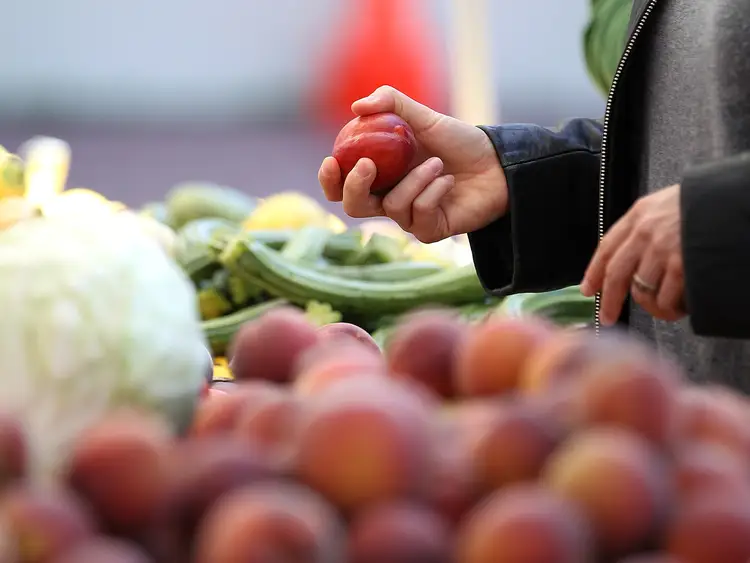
(475, 430)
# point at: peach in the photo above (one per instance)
(347, 331)
(268, 348)
(698, 468)
(43, 524)
(384, 138)
(513, 446)
(272, 426)
(270, 522)
(491, 358)
(119, 468)
(365, 440)
(557, 361)
(711, 528)
(525, 524)
(712, 414)
(202, 470)
(332, 361)
(455, 489)
(618, 480)
(399, 532)
(635, 392)
(423, 348)
(331, 349)
(217, 414)
(103, 550)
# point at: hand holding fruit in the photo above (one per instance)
(453, 185)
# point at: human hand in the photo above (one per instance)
(457, 186)
(642, 252)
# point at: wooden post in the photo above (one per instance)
(473, 91)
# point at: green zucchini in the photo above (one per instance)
(379, 249)
(307, 245)
(344, 248)
(220, 331)
(298, 284)
(564, 306)
(198, 200)
(391, 272)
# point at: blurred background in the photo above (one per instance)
(250, 93)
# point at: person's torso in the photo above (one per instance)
(684, 99)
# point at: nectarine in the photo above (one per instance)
(384, 138)
(525, 524)
(490, 359)
(268, 347)
(619, 481)
(423, 348)
(363, 440)
(399, 532)
(270, 522)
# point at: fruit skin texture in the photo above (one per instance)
(524, 524)
(202, 471)
(269, 347)
(712, 528)
(348, 331)
(365, 440)
(631, 394)
(423, 349)
(513, 447)
(103, 550)
(118, 467)
(399, 532)
(618, 480)
(491, 359)
(270, 522)
(384, 138)
(43, 524)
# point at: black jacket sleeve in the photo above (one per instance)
(715, 208)
(549, 234)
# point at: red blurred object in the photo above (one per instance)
(381, 42)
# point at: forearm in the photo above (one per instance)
(715, 208)
(545, 240)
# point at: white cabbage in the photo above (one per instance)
(93, 315)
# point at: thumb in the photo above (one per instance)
(388, 99)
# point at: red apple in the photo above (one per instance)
(384, 138)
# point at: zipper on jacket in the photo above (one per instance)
(605, 126)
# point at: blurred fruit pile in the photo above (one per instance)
(508, 441)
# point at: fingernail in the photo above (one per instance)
(435, 165)
(361, 171)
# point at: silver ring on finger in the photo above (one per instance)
(643, 286)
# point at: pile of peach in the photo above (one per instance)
(505, 442)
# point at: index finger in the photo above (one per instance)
(388, 99)
(330, 180)
(593, 279)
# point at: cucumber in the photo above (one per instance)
(307, 245)
(298, 284)
(220, 331)
(392, 272)
(564, 306)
